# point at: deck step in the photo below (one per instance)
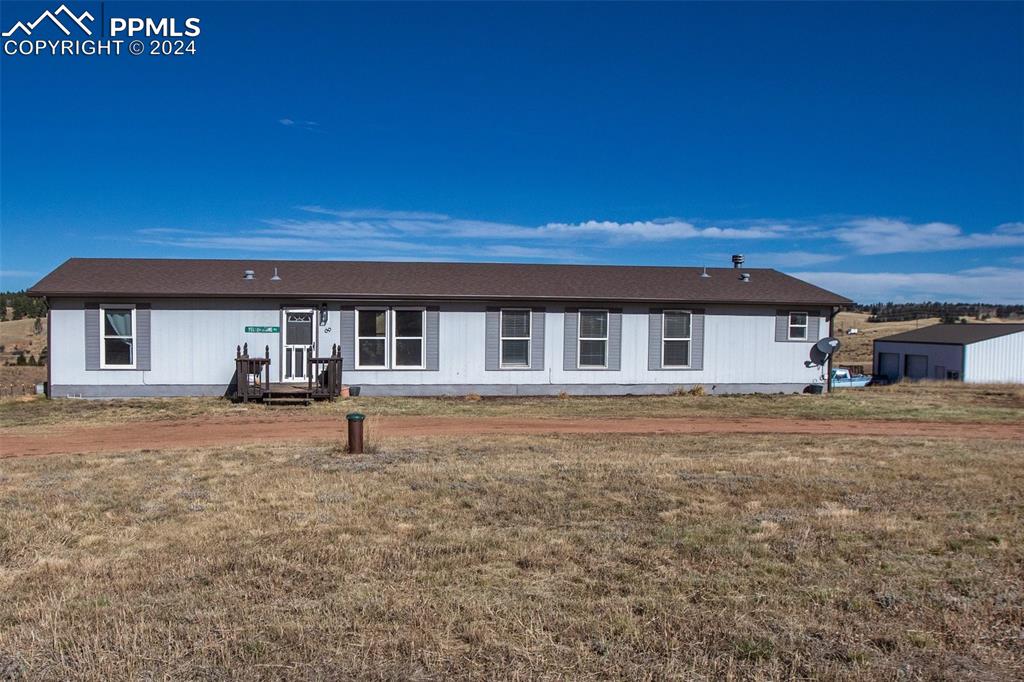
(290, 399)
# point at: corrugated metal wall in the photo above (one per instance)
(999, 360)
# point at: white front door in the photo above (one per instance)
(298, 343)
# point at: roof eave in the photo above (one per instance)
(432, 297)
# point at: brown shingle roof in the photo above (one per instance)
(955, 334)
(363, 280)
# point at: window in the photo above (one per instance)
(515, 337)
(593, 341)
(398, 330)
(118, 337)
(675, 338)
(371, 338)
(408, 345)
(797, 326)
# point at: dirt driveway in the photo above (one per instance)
(199, 432)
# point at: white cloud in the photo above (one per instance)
(660, 230)
(872, 236)
(439, 225)
(785, 260)
(319, 231)
(312, 126)
(362, 248)
(1010, 228)
(988, 285)
(17, 273)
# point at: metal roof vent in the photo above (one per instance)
(249, 274)
(705, 273)
(744, 276)
(276, 277)
(737, 260)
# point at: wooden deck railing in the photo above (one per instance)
(251, 374)
(324, 374)
(252, 377)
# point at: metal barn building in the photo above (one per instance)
(975, 353)
(155, 327)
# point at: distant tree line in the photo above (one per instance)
(21, 305)
(947, 312)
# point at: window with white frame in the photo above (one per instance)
(593, 338)
(371, 338)
(392, 338)
(118, 337)
(515, 337)
(798, 326)
(408, 343)
(675, 338)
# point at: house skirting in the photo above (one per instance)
(425, 390)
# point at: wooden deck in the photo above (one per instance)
(252, 379)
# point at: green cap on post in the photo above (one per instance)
(355, 416)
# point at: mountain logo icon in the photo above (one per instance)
(69, 16)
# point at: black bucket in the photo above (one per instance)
(814, 389)
(353, 391)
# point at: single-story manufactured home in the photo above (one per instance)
(161, 327)
(974, 353)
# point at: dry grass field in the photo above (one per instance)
(540, 557)
(522, 556)
(930, 401)
(21, 335)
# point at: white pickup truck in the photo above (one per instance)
(841, 378)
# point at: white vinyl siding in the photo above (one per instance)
(592, 344)
(677, 335)
(193, 345)
(117, 336)
(515, 337)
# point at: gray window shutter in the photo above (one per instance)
(814, 326)
(537, 340)
(348, 338)
(572, 321)
(432, 340)
(615, 339)
(782, 325)
(654, 339)
(697, 339)
(143, 355)
(492, 339)
(92, 336)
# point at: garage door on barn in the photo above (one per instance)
(889, 365)
(915, 367)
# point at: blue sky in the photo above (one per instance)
(876, 149)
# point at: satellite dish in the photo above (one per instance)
(828, 345)
(823, 349)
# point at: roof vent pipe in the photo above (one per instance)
(276, 277)
(737, 260)
(705, 273)
(744, 276)
(249, 274)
